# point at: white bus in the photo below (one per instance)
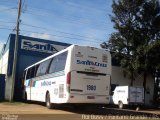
(76, 74)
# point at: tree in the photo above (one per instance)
(136, 40)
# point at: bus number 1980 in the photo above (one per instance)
(91, 87)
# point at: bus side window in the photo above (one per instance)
(32, 70)
(53, 65)
(43, 67)
(28, 74)
(36, 68)
(61, 62)
(58, 63)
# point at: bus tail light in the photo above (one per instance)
(68, 81)
(68, 78)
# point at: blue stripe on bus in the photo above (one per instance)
(34, 84)
(29, 82)
(47, 76)
(52, 75)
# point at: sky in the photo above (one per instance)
(82, 22)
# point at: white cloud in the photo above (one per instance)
(42, 36)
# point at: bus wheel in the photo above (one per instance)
(48, 103)
(120, 105)
(25, 97)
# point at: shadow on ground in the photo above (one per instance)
(106, 110)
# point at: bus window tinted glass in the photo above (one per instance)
(30, 73)
(53, 65)
(58, 63)
(43, 67)
(36, 68)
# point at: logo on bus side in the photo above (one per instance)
(91, 63)
(38, 46)
(46, 83)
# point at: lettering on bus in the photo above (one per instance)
(91, 63)
(38, 46)
(91, 87)
(46, 83)
(91, 70)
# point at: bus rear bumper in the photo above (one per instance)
(95, 99)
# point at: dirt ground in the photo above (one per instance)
(38, 111)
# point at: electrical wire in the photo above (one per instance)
(76, 19)
(6, 28)
(2, 21)
(67, 20)
(61, 36)
(7, 9)
(62, 32)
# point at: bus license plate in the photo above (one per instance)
(90, 97)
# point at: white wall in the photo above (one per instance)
(4, 63)
(118, 78)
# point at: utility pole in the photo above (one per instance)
(15, 51)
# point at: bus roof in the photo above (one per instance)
(70, 47)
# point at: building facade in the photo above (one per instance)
(30, 50)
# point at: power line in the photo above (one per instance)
(77, 5)
(86, 7)
(7, 4)
(7, 9)
(65, 19)
(72, 34)
(6, 28)
(71, 18)
(50, 12)
(8, 1)
(23, 5)
(7, 21)
(61, 36)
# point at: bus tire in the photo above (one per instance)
(49, 105)
(25, 97)
(120, 105)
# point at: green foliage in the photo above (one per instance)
(136, 43)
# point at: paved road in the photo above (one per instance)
(22, 111)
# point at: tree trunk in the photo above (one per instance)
(132, 78)
(144, 80)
